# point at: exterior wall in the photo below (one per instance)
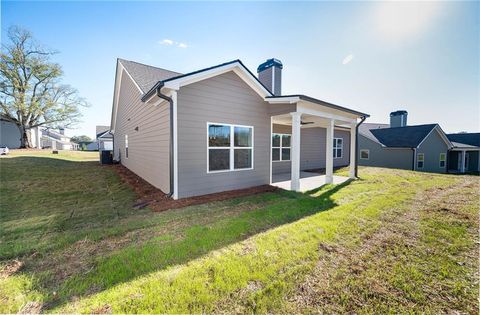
(312, 149)
(9, 135)
(431, 147)
(222, 99)
(473, 165)
(384, 157)
(148, 148)
(105, 144)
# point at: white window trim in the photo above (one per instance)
(368, 154)
(444, 160)
(281, 147)
(126, 146)
(336, 147)
(231, 148)
(418, 160)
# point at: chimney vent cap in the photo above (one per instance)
(270, 63)
(398, 113)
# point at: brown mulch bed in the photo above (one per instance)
(159, 201)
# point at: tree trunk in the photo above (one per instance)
(24, 138)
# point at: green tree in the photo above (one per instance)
(82, 138)
(31, 92)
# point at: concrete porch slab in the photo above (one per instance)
(308, 180)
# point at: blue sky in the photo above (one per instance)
(375, 57)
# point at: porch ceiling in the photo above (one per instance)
(312, 120)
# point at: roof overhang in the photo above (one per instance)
(236, 66)
(442, 134)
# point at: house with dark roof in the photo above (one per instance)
(223, 128)
(421, 147)
(465, 154)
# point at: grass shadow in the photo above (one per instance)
(102, 209)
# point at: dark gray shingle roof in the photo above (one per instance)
(472, 139)
(402, 137)
(146, 76)
(365, 129)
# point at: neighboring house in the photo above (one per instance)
(88, 146)
(465, 154)
(57, 140)
(104, 138)
(222, 128)
(10, 135)
(421, 148)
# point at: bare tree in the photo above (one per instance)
(31, 93)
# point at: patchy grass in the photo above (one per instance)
(249, 254)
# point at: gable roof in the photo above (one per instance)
(470, 139)
(365, 130)
(146, 76)
(104, 134)
(191, 77)
(402, 137)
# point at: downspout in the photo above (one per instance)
(356, 144)
(169, 99)
(414, 150)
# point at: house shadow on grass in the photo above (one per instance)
(149, 242)
(258, 214)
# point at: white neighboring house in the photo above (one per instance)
(10, 135)
(105, 141)
(57, 140)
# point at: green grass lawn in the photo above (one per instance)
(393, 241)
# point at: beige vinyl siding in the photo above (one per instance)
(312, 148)
(148, 148)
(222, 99)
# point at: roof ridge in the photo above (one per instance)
(144, 64)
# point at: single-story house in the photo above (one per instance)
(222, 128)
(420, 148)
(464, 157)
(57, 140)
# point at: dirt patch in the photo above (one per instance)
(105, 309)
(159, 201)
(10, 268)
(31, 308)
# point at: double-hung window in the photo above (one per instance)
(337, 148)
(230, 147)
(281, 147)
(443, 159)
(420, 160)
(364, 154)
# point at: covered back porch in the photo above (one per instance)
(311, 138)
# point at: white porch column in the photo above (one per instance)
(462, 166)
(353, 153)
(329, 153)
(295, 151)
(39, 137)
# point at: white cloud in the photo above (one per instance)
(167, 42)
(347, 59)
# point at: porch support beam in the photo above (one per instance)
(329, 153)
(462, 166)
(353, 152)
(295, 151)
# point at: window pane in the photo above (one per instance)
(243, 136)
(219, 159)
(364, 154)
(286, 154)
(242, 158)
(286, 141)
(420, 164)
(275, 140)
(339, 142)
(442, 163)
(275, 154)
(218, 136)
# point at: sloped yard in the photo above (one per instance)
(393, 241)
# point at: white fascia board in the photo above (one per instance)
(304, 109)
(442, 135)
(283, 100)
(235, 67)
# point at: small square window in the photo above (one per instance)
(364, 154)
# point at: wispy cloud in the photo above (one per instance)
(169, 42)
(347, 59)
